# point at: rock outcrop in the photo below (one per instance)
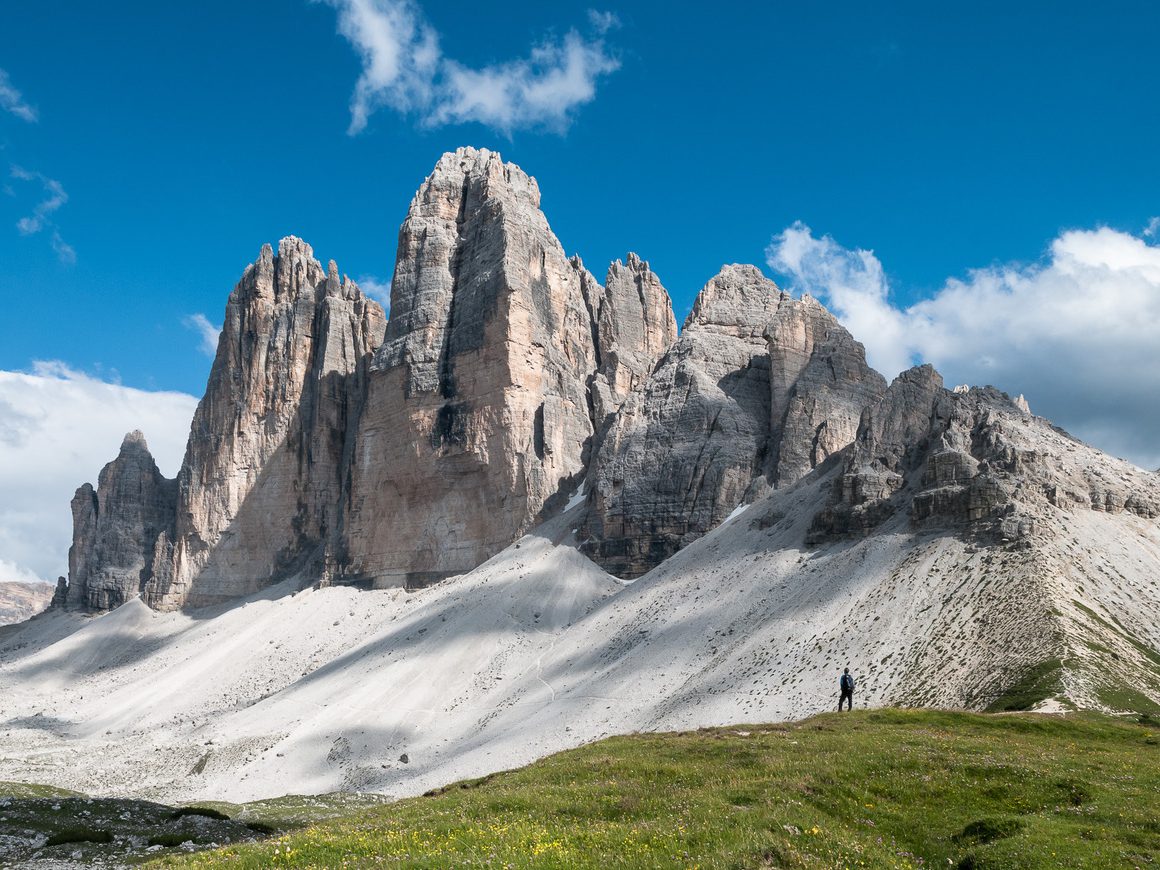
(480, 409)
(759, 389)
(260, 487)
(116, 528)
(635, 326)
(970, 459)
(682, 451)
(259, 491)
(819, 385)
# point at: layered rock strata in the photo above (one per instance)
(258, 494)
(482, 401)
(260, 487)
(971, 459)
(635, 326)
(759, 389)
(116, 528)
(819, 385)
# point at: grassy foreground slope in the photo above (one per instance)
(885, 788)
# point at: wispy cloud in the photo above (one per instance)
(41, 218)
(12, 100)
(1075, 332)
(380, 291)
(208, 331)
(58, 427)
(1152, 228)
(404, 69)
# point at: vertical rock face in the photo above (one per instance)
(116, 529)
(260, 486)
(332, 444)
(759, 389)
(635, 327)
(477, 412)
(681, 452)
(819, 385)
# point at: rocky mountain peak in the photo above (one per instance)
(738, 300)
(134, 442)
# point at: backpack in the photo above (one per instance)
(847, 683)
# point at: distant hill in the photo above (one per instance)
(19, 601)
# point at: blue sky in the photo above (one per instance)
(878, 155)
(186, 135)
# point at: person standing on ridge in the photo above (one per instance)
(846, 684)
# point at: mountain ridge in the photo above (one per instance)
(483, 468)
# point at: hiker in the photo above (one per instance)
(846, 684)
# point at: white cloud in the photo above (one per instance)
(54, 197)
(1074, 332)
(12, 100)
(58, 428)
(1152, 228)
(10, 572)
(208, 331)
(602, 22)
(380, 291)
(404, 69)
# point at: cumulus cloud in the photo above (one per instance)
(58, 428)
(42, 217)
(404, 69)
(11, 100)
(1075, 332)
(380, 291)
(208, 331)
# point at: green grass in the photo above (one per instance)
(884, 788)
(1038, 684)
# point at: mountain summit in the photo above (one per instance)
(579, 523)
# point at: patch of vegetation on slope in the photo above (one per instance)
(884, 788)
(1038, 684)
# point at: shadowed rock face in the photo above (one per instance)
(635, 326)
(480, 408)
(819, 385)
(759, 389)
(260, 486)
(258, 494)
(683, 450)
(116, 528)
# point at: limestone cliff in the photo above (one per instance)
(258, 493)
(759, 389)
(260, 486)
(478, 413)
(116, 528)
(682, 451)
(971, 459)
(819, 384)
(635, 326)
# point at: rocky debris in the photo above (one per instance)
(970, 459)
(116, 528)
(635, 326)
(20, 600)
(819, 385)
(478, 418)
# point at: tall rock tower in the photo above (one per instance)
(479, 412)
